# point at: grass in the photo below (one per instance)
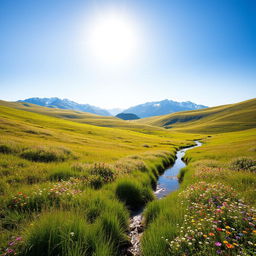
(61, 175)
(50, 167)
(225, 160)
(227, 118)
(132, 193)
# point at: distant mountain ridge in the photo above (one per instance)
(157, 108)
(66, 104)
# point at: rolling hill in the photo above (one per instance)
(84, 118)
(226, 118)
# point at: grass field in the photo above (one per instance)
(227, 118)
(214, 165)
(69, 180)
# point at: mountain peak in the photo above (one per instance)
(157, 108)
(55, 102)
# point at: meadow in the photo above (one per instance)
(214, 211)
(68, 186)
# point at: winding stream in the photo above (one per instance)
(167, 183)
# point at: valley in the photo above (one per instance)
(71, 180)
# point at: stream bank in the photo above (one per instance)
(167, 183)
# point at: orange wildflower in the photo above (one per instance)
(230, 246)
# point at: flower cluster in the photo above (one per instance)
(216, 223)
(12, 247)
(50, 195)
(210, 173)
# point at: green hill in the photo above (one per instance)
(82, 117)
(226, 118)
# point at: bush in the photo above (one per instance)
(95, 181)
(104, 171)
(244, 163)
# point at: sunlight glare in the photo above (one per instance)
(112, 39)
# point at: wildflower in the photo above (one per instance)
(72, 233)
(218, 244)
(230, 246)
(211, 234)
(225, 242)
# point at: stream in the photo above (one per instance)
(167, 183)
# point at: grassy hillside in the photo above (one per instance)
(54, 169)
(233, 117)
(67, 187)
(81, 117)
(212, 212)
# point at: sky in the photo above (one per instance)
(184, 50)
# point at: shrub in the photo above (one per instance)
(244, 163)
(106, 172)
(95, 181)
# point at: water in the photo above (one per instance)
(168, 181)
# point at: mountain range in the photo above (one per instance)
(163, 107)
(66, 104)
(148, 109)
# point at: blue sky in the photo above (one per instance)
(196, 50)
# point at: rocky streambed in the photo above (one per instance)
(167, 183)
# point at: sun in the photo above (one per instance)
(112, 39)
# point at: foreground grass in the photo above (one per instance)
(63, 191)
(188, 226)
(67, 187)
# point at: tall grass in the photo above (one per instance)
(64, 233)
(132, 193)
(218, 160)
